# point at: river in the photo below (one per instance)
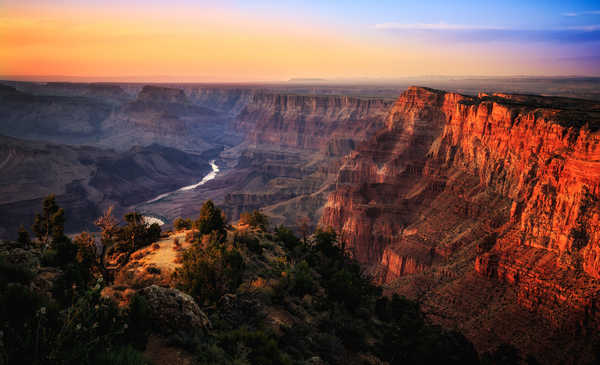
(210, 176)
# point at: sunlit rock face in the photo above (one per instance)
(508, 182)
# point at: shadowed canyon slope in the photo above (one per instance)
(86, 179)
(457, 188)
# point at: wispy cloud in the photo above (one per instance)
(589, 12)
(585, 28)
(476, 33)
(432, 26)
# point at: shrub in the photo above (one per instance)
(285, 235)
(255, 219)
(66, 251)
(302, 281)
(23, 237)
(326, 242)
(138, 315)
(208, 273)
(92, 326)
(211, 219)
(251, 242)
(179, 224)
(262, 346)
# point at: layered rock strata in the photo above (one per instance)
(506, 185)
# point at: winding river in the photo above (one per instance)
(210, 176)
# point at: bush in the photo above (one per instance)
(138, 316)
(302, 282)
(208, 273)
(179, 224)
(251, 242)
(262, 346)
(285, 235)
(92, 326)
(211, 219)
(18, 310)
(255, 219)
(66, 251)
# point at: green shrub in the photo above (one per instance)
(262, 346)
(255, 219)
(250, 242)
(124, 355)
(208, 273)
(179, 224)
(211, 219)
(285, 235)
(91, 326)
(302, 280)
(138, 320)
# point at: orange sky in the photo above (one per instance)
(200, 43)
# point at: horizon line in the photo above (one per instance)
(173, 79)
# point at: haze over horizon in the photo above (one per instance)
(233, 41)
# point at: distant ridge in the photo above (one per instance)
(309, 79)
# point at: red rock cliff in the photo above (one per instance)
(311, 122)
(509, 183)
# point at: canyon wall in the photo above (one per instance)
(291, 150)
(503, 185)
(309, 122)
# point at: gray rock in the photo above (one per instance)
(173, 311)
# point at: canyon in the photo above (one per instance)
(481, 206)
(459, 188)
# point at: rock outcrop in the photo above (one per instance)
(506, 185)
(172, 311)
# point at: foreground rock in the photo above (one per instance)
(173, 311)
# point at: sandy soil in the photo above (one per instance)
(165, 257)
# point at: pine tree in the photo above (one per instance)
(23, 237)
(211, 219)
(44, 224)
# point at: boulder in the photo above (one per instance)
(172, 311)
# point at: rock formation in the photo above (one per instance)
(173, 311)
(291, 148)
(309, 121)
(506, 185)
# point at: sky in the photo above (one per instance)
(247, 41)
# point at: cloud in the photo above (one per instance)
(475, 33)
(589, 12)
(585, 28)
(438, 26)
